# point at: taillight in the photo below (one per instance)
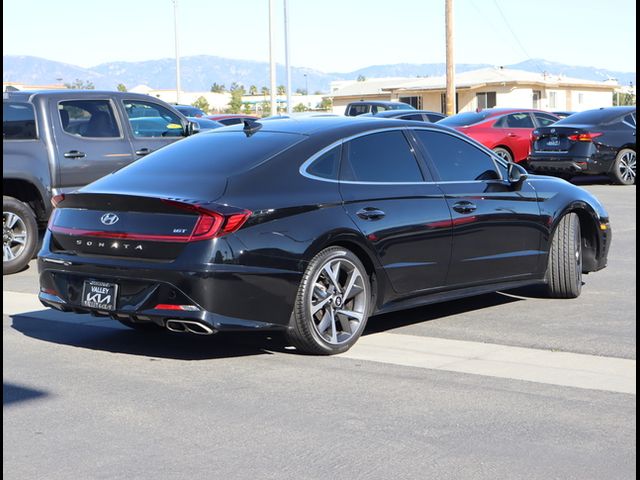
(584, 137)
(535, 135)
(56, 199)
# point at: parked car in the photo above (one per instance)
(593, 142)
(506, 131)
(58, 141)
(354, 109)
(205, 124)
(190, 111)
(231, 118)
(562, 114)
(417, 115)
(311, 226)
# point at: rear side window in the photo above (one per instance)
(455, 159)
(18, 121)
(327, 165)
(88, 118)
(543, 119)
(152, 120)
(515, 120)
(416, 116)
(357, 110)
(381, 158)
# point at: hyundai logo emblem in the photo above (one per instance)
(109, 218)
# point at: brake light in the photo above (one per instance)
(584, 137)
(56, 199)
(184, 308)
(535, 135)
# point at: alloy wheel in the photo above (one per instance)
(14, 236)
(627, 166)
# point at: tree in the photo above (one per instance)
(282, 90)
(264, 91)
(266, 108)
(236, 87)
(326, 104)
(80, 85)
(620, 99)
(235, 104)
(301, 91)
(202, 104)
(121, 87)
(361, 78)
(246, 108)
(300, 108)
(253, 90)
(217, 88)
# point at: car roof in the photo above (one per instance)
(28, 95)
(375, 102)
(397, 113)
(216, 116)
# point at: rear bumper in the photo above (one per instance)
(221, 296)
(567, 165)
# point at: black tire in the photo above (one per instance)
(564, 271)
(142, 326)
(623, 171)
(503, 153)
(305, 331)
(19, 235)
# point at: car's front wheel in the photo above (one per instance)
(504, 154)
(19, 235)
(564, 271)
(332, 305)
(624, 167)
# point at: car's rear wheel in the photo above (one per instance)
(624, 167)
(503, 153)
(332, 305)
(564, 271)
(19, 235)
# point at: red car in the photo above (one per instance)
(506, 131)
(231, 118)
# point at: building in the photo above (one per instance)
(484, 88)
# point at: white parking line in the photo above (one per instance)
(493, 360)
(487, 359)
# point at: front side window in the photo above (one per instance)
(544, 120)
(382, 158)
(455, 159)
(152, 120)
(88, 118)
(18, 121)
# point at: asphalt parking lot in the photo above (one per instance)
(506, 385)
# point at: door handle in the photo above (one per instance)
(143, 151)
(464, 207)
(511, 134)
(74, 154)
(370, 213)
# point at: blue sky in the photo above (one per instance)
(328, 35)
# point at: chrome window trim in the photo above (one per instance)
(303, 168)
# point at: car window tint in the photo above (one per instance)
(415, 116)
(517, 120)
(630, 119)
(88, 118)
(18, 121)
(381, 157)
(327, 165)
(152, 120)
(543, 119)
(434, 117)
(455, 159)
(358, 110)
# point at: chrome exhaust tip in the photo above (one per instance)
(183, 326)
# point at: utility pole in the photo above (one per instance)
(175, 27)
(451, 67)
(286, 54)
(272, 60)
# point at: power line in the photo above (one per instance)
(506, 22)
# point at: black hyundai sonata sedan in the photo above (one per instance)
(311, 226)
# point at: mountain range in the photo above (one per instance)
(199, 72)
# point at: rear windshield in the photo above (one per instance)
(212, 154)
(18, 121)
(466, 118)
(590, 117)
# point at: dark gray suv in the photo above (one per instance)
(58, 141)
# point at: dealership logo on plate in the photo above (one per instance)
(109, 218)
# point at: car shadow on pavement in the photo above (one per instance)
(12, 393)
(108, 335)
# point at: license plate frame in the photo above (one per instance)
(99, 295)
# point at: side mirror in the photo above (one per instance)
(191, 128)
(516, 173)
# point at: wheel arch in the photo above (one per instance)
(26, 192)
(589, 233)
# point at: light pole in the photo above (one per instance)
(272, 58)
(286, 54)
(175, 27)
